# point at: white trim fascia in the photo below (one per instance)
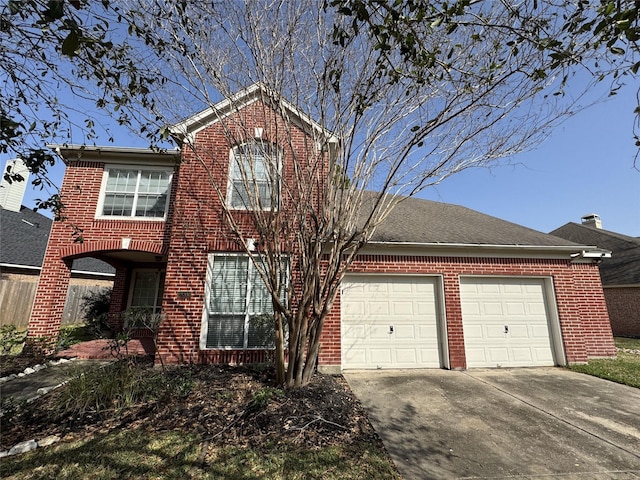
(624, 285)
(78, 272)
(564, 252)
(97, 274)
(189, 127)
(16, 265)
(120, 155)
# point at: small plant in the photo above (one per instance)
(10, 339)
(263, 397)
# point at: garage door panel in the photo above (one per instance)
(405, 332)
(492, 308)
(526, 340)
(539, 331)
(536, 308)
(498, 356)
(378, 332)
(406, 356)
(380, 356)
(542, 354)
(355, 332)
(522, 355)
(376, 308)
(519, 331)
(403, 308)
(473, 331)
(407, 305)
(354, 308)
(471, 308)
(516, 309)
(493, 332)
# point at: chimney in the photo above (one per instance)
(12, 193)
(592, 220)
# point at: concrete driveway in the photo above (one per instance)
(542, 423)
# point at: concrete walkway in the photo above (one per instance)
(83, 355)
(542, 423)
(43, 381)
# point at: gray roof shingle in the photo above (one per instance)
(23, 241)
(623, 268)
(416, 220)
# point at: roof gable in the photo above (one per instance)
(187, 129)
(623, 268)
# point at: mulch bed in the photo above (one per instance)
(14, 364)
(225, 405)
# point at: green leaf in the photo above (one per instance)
(71, 44)
(617, 50)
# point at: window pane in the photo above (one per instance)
(152, 187)
(229, 284)
(147, 290)
(117, 205)
(225, 331)
(261, 331)
(122, 181)
(260, 301)
(152, 206)
(253, 175)
(237, 296)
(154, 182)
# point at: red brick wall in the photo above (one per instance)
(80, 194)
(581, 308)
(200, 227)
(623, 304)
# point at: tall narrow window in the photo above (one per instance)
(254, 176)
(147, 289)
(135, 193)
(239, 307)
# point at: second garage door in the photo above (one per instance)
(505, 322)
(389, 322)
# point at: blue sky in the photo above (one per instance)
(585, 166)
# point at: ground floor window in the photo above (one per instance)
(239, 309)
(145, 298)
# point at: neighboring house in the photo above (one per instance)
(439, 286)
(620, 274)
(23, 240)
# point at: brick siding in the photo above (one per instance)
(623, 304)
(195, 227)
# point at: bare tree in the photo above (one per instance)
(383, 128)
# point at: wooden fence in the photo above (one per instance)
(16, 300)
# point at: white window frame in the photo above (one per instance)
(247, 314)
(133, 168)
(157, 306)
(275, 184)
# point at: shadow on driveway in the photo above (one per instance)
(507, 423)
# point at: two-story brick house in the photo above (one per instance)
(439, 286)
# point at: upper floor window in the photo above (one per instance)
(254, 176)
(135, 193)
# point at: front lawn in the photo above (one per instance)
(131, 420)
(139, 453)
(624, 369)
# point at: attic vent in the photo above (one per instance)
(592, 220)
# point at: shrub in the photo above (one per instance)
(96, 316)
(10, 338)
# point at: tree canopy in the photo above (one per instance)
(405, 93)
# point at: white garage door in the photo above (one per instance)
(389, 322)
(505, 322)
